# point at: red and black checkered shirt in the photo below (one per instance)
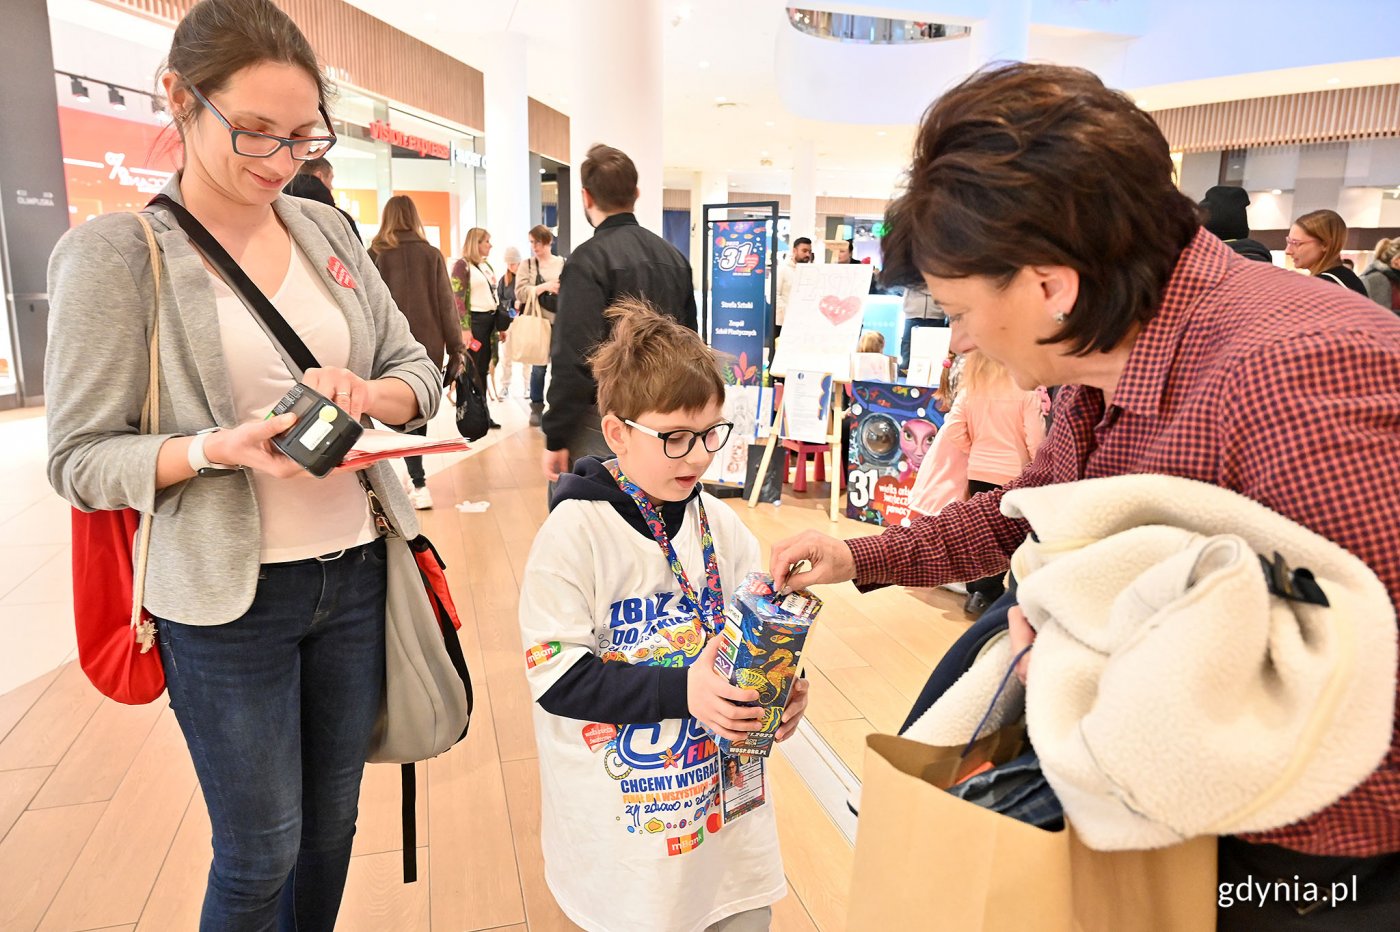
(1283, 388)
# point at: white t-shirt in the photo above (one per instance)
(629, 828)
(303, 516)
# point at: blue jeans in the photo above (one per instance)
(277, 708)
(910, 325)
(537, 384)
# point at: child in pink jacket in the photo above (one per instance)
(989, 436)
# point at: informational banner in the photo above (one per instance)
(807, 407)
(892, 428)
(823, 321)
(739, 297)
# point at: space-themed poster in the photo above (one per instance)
(892, 428)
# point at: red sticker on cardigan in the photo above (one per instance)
(340, 273)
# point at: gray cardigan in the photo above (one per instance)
(205, 532)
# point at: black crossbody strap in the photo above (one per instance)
(239, 281)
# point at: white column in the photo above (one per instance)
(705, 188)
(803, 207)
(616, 97)
(1005, 34)
(507, 145)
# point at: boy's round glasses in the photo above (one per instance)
(265, 145)
(677, 444)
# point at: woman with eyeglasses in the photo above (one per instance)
(1315, 243)
(267, 586)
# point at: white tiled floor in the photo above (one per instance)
(36, 619)
(36, 614)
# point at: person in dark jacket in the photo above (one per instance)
(416, 275)
(313, 181)
(1223, 213)
(622, 258)
(1382, 276)
(1315, 243)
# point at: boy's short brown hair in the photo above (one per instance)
(652, 362)
(609, 176)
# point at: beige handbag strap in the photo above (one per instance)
(150, 424)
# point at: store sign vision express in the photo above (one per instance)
(385, 133)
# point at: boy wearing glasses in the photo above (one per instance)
(624, 590)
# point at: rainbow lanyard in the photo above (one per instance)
(658, 532)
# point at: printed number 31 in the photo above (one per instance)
(731, 257)
(862, 487)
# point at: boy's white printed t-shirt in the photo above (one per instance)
(630, 826)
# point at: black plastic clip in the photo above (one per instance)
(1295, 585)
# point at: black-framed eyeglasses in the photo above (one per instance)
(265, 145)
(677, 444)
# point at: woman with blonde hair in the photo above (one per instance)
(989, 436)
(1315, 243)
(416, 275)
(474, 285)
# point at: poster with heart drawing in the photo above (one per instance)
(823, 320)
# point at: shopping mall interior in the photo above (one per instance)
(750, 123)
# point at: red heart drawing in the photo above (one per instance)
(839, 310)
(751, 262)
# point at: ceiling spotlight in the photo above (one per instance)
(769, 123)
(80, 90)
(115, 98)
(704, 64)
(1334, 80)
(1276, 192)
(542, 171)
(880, 132)
(721, 100)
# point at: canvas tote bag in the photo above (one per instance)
(531, 334)
(927, 861)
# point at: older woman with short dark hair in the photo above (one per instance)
(1176, 356)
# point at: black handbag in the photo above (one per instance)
(549, 301)
(473, 418)
(505, 301)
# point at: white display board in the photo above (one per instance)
(929, 344)
(740, 409)
(807, 407)
(823, 321)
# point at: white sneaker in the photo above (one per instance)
(421, 499)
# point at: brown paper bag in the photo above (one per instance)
(927, 861)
